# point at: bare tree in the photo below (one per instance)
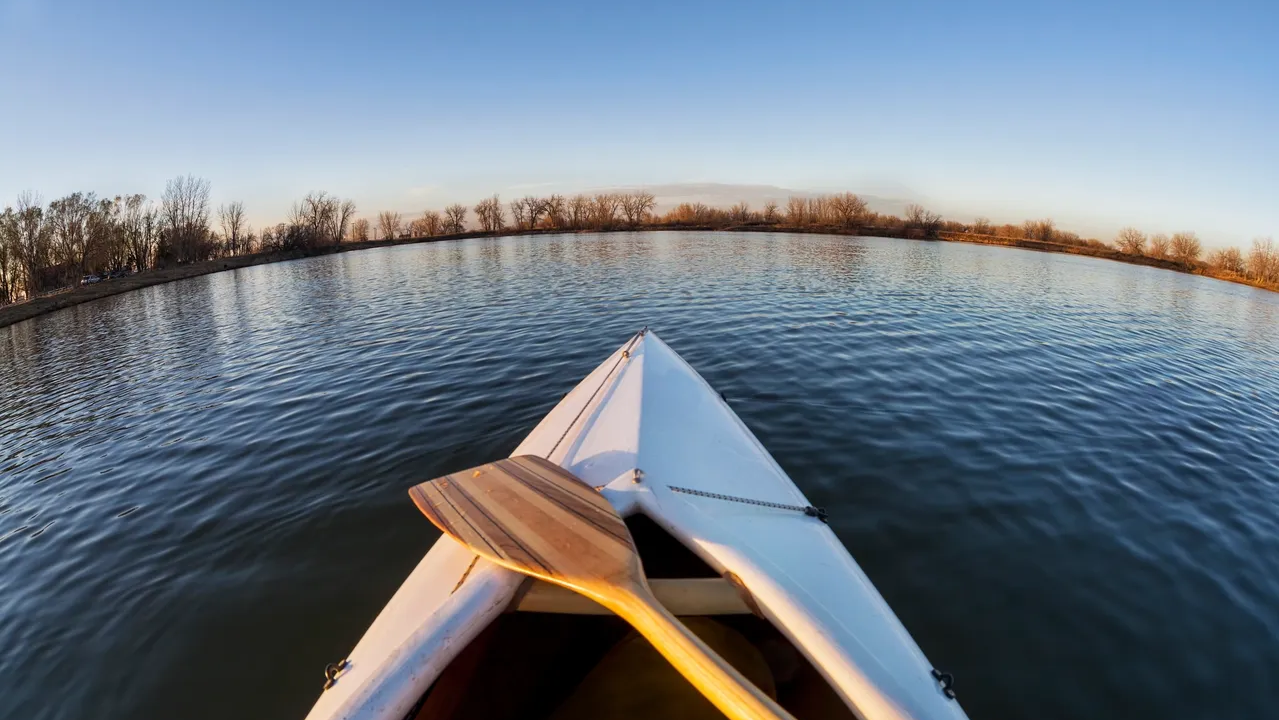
(9, 268)
(269, 238)
(107, 249)
(1069, 238)
(132, 209)
(604, 207)
(69, 227)
(816, 212)
(321, 211)
(455, 218)
(342, 216)
(33, 243)
(427, 225)
(691, 214)
(489, 212)
(1159, 246)
(828, 209)
(770, 213)
(359, 231)
(519, 214)
(1008, 230)
(234, 227)
(1263, 260)
(849, 209)
(797, 211)
(302, 231)
(141, 223)
(637, 206)
(919, 218)
(534, 209)
(1185, 247)
(579, 211)
(623, 201)
(981, 226)
(432, 223)
(319, 220)
(740, 212)
(556, 208)
(184, 215)
(389, 224)
(1131, 240)
(1228, 259)
(1044, 229)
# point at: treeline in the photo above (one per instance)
(845, 212)
(1044, 230)
(626, 210)
(47, 247)
(600, 211)
(82, 237)
(842, 212)
(1260, 264)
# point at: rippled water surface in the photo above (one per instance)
(1061, 472)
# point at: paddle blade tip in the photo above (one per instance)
(421, 498)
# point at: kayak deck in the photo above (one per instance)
(703, 499)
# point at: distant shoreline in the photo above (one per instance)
(25, 310)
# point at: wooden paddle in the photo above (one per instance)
(534, 517)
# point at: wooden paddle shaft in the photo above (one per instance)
(680, 596)
(719, 682)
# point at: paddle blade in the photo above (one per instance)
(534, 517)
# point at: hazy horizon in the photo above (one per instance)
(1157, 115)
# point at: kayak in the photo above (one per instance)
(727, 541)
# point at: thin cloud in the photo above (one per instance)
(532, 186)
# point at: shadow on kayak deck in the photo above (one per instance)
(532, 665)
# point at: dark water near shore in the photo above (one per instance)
(1062, 473)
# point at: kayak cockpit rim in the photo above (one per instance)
(553, 640)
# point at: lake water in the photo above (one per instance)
(1061, 472)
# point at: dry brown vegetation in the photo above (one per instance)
(846, 213)
(49, 248)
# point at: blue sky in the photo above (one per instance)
(1099, 114)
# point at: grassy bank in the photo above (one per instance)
(1108, 253)
(18, 312)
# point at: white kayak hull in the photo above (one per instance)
(645, 409)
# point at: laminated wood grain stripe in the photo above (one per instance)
(605, 519)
